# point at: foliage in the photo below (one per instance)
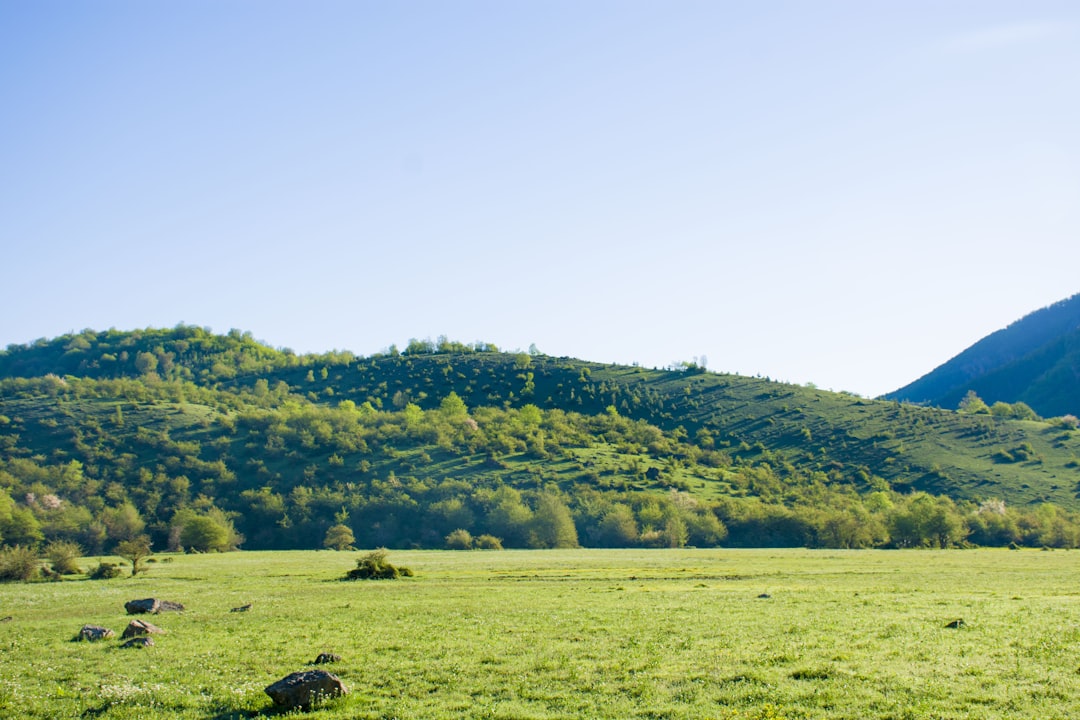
(18, 564)
(339, 537)
(235, 443)
(210, 531)
(105, 571)
(63, 556)
(375, 566)
(460, 539)
(135, 551)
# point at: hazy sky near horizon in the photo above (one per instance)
(840, 192)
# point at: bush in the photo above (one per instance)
(374, 566)
(487, 542)
(18, 564)
(459, 540)
(106, 571)
(62, 555)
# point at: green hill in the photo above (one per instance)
(197, 439)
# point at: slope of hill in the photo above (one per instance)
(1035, 360)
(104, 436)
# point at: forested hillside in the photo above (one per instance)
(211, 442)
(1035, 360)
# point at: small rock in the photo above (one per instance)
(326, 658)
(139, 642)
(764, 596)
(956, 624)
(242, 608)
(136, 628)
(301, 689)
(93, 633)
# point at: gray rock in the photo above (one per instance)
(301, 689)
(326, 658)
(151, 606)
(93, 633)
(137, 628)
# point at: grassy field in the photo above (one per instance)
(567, 634)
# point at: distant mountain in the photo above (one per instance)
(1035, 360)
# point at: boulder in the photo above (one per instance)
(139, 642)
(301, 689)
(137, 628)
(93, 633)
(151, 606)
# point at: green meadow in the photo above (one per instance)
(565, 634)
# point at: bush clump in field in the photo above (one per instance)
(487, 542)
(105, 571)
(460, 539)
(375, 566)
(18, 564)
(63, 555)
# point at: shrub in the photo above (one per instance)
(106, 571)
(374, 566)
(62, 555)
(18, 564)
(487, 542)
(339, 537)
(460, 539)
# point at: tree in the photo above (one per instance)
(135, 551)
(339, 537)
(123, 522)
(453, 406)
(972, 404)
(553, 526)
(210, 532)
(617, 528)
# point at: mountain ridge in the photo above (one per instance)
(1034, 360)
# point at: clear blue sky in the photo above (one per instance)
(844, 193)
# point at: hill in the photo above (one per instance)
(1035, 360)
(198, 439)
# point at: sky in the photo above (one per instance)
(844, 193)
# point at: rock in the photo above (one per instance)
(139, 642)
(301, 689)
(764, 596)
(242, 608)
(93, 633)
(7, 619)
(956, 624)
(137, 628)
(151, 606)
(326, 658)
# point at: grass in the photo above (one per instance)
(567, 634)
